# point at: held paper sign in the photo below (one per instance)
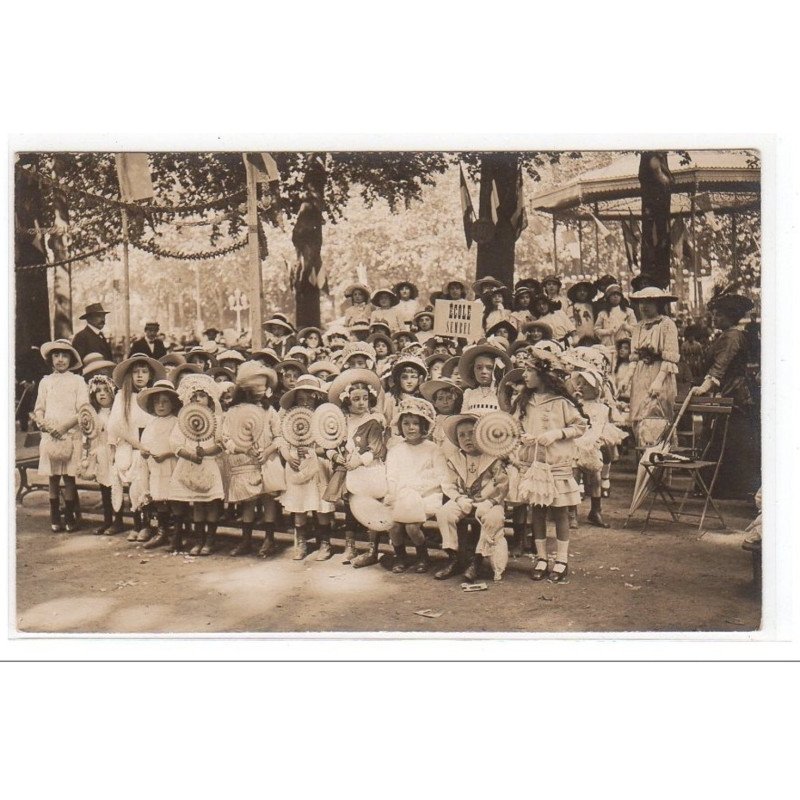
(460, 318)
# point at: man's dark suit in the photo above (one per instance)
(87, 341)
(140, 346)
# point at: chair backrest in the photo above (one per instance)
(715, 412)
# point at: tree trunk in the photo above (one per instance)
(656, 182)
(496, 256)
(32, 323)
(307, 241)
(62, 276)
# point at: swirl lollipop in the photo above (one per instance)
(245, 425)
(197, 422)
(296, 427)
(328, 426)
(497, 434)
(87, 421)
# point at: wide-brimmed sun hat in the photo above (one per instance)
(653, 293)
(484, 285)
(163, 386)
(172, 360)
(265, 354)
(406, 360)
(341, 384)
(230, 355)
(573, 290)
(95, 362)
(176, 373)
(510, 322)
(466, 363)
(306, 383)
(157, 369)
(516, 375)
(279, 321)
(255, 369)
(381, 337)
(348, 292)
(324, 366)
(429, 388)
(65, 346)
(547, 330)
(304, 332)
(358, 348)
(387, 293)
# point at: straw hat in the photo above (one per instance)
(279, 321)
(516, 375)
(358, 348)
(528, 284)
(388, 292)
(255, 369)
(94, 362)
(156, 368)
(551, 278)
(323, 366)
(197, 350)
(230, 355)
(547, 330)
(303, 332)
(653, 293)
(429, 388)
(612, 288)
(348, 292)
(380, 327)
(417, 406)
(290, 362)
(405, 360)
(308, 383)
(426, 312)
(336, 329)
(484, 285)
(341, 383)
(381, 337)
(265, 354)
(215, 372)
(176, 373)
(450, 366)
(510, 322)
(162, 386)
(64, 345)
(466, 363)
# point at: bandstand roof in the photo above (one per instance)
(728, 178)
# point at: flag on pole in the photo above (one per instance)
(133, 172)
(676, 235)
(604, 233)
(495, 204)
(519, 219)
(467, 209)
(265, 170)
(630, 233)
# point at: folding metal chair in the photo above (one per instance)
(691, 464)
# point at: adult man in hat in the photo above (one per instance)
(150, 344)
(91, 339)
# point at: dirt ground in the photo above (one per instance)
(667, 579)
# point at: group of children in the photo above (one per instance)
(197, 438)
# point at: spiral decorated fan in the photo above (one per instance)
(497, 434)
(296, 427)
(328, 426)
(197, 422)
(87, 421)
(245, 425)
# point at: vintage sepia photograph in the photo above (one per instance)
(387, 392)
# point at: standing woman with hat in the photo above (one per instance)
(408, 305)
(60, 396)
(91, 339)
(655, 355)
(126, 424)
(727, 375)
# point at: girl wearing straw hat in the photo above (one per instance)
(253, 462)
(360, 469)
(407, 374)
(481, 367)
(60, 396)
(101, 396)
(551, 420)
(384, 302)
(126, 424)
(615, 320)
(359, 309)
(161, 402)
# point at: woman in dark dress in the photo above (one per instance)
(727, 376)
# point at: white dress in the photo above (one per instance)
(155, 439)
(59, 397)
(126, 469)
(405, 311)
(414, 477)
(190, 482)
(99, 451)
(480, 400)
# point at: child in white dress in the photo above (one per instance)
(101, 396)
(60, 396)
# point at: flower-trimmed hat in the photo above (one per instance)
(348, 292)
(358, 348)
(197, 350)
(94, 363)
(733, 305)
(162, 386)
(156, 368)
(466, 364)
(64, 346)
(191, 384)
(255, 369)
(304, 332)
(306, 383)
(414, 291)
(429, 388)
(340, 386)
(381, 337)
(542, 361)
(337, 329)
(551, 278)
(406, 360)
(653, 293)
(100, 381)
(386, 292)
(416, 406)
(573, 290)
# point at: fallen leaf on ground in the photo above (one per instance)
(549, 599)
(631, 586)
(429, 612)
